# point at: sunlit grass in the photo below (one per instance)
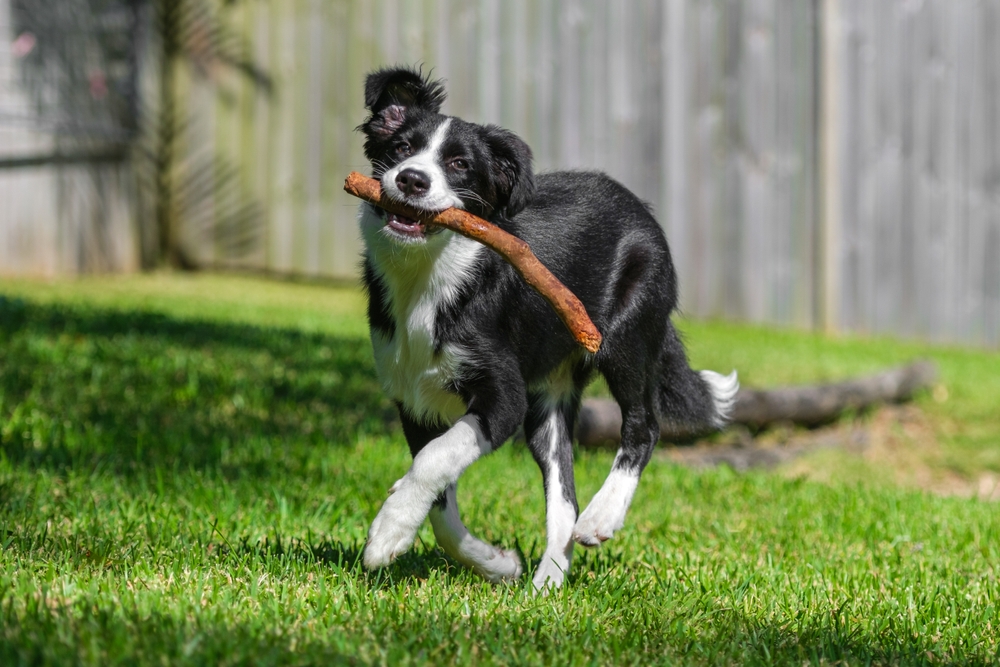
(190, 464)
(309, 307)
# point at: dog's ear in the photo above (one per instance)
(510, 166)
(391, 94)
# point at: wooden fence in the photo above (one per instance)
(821, 163)
(63, 208)
(919, 142)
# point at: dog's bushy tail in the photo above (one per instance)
(692, 402)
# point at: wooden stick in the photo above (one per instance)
(515, 251)
(600, 420)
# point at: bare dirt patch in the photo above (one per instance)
(897, 443)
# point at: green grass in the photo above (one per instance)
(189, 466)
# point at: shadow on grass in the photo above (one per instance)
(416, 564)
(117, 389)
(325, 552)
(829, 640)
(83, 632)
(96, 635)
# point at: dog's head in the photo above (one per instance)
(432, 161)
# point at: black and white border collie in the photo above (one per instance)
(469, 352)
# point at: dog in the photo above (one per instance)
(469, 353)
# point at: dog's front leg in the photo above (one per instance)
(550, 443)
(435, 467)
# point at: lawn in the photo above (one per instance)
(189, 465)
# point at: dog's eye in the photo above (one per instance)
(459, 164)
(402, 148)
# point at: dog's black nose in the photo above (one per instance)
(412, 182)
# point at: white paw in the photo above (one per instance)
(597, 525)
(395, 527)
(606, 512)
(549, 575)
(504, 567)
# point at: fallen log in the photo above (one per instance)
(600, 420)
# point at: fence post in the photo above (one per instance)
(675, 51)
(830, 191)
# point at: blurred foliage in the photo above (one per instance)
(203, 190)
(89, 66)
(79, 65)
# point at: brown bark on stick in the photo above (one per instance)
(600, 420)
(515, 251)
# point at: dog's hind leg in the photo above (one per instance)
(630, 366)
(489, 562)
(606, 512)
(548, 431)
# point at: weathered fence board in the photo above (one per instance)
(921, 196)
(714, 111)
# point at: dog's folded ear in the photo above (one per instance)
(511, 170)
(391, 93)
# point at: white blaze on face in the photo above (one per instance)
(429, 162)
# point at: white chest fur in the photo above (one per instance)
(419, 279)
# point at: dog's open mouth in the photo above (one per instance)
(405, 226)
(408, 228)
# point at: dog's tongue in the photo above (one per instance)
(405, 225)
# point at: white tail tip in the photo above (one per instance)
(723, 388)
